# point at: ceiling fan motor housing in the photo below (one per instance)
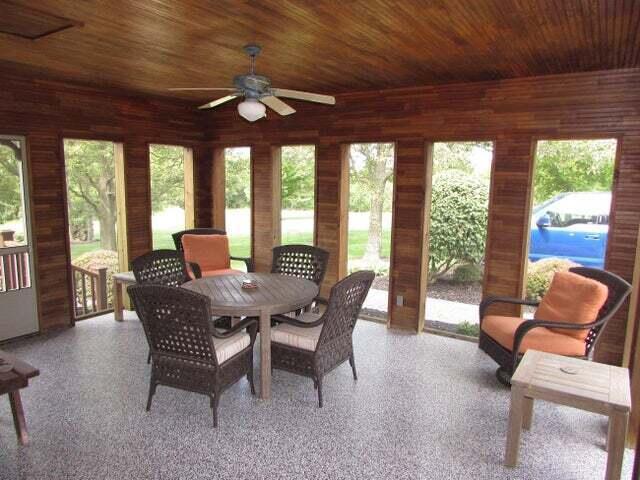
(252, 86)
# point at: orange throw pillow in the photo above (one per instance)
(210, 252)
(572, 298)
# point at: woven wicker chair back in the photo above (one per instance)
(302, 261)
(618, 291)
(176, 322)
(160, 267)
(345, 301)
(177, 237)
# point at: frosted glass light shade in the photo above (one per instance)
(251, 109)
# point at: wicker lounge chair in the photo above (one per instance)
(505, 339)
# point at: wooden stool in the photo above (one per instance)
(577, 383)
(120, 282)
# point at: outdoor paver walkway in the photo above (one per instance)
(444, 311)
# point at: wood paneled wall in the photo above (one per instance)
(45, 112)
(511, 113)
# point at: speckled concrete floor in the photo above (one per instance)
(424, 407)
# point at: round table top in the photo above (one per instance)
(275, 293)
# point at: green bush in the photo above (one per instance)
(540, 274)
(469, 329)
(467, 273)
(458, 221)
(99, 259)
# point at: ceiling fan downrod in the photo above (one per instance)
(253, 51)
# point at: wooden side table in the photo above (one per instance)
(120, 282)
(590, 386)
(11, 383)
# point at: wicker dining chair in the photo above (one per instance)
(301, 261)
(160, 267)
(548, 334)
(313, 345)
(187, 352)
(177, 240)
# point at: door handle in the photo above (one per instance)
(592, 237)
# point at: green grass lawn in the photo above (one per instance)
(240, 246)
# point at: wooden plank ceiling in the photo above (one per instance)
(324, 45)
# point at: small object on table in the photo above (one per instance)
(249, 284)
(11, 382)
(590, 386)
(120, 281)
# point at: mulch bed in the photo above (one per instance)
(470, 293)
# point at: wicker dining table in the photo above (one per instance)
(274, 294)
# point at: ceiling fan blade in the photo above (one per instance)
(219, 101)
(186, 89)
(307, 96)
(278, 105)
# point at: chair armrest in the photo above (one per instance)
(298, 323)
(514, 301)
(528, 325)
(248, 261)
(195, 268)
(248, 322)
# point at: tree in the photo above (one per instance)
(10, 194)
(91, 185)
(167, 176)
(371, 169)
(298, 164)
(237, 177)
(456, 156)
(458, 229)
(573, 166)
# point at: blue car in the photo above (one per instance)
(572, 226)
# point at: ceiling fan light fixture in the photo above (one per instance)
(251, 109)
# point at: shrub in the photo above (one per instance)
(540, 274)
(469, 329)
(100, 259)
(467, 273)
(458, 221)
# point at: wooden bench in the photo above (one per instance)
(11, 383)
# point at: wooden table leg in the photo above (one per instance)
(18, 417)
(616, 439)
(118, 306)
(527, 413)
(515, 426)
(265, 356)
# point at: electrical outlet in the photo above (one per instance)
(400, 301)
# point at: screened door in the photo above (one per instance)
(18, 302)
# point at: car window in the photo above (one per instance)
(579, 208)
(558, 219)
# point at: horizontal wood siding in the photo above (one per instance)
(513, 114)
(45, 112)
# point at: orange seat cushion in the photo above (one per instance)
(502, 330)
(572, 298)
(210, 252)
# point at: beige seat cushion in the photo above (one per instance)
(228, 347)
(298, 337)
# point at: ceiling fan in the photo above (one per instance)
(257, 92)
